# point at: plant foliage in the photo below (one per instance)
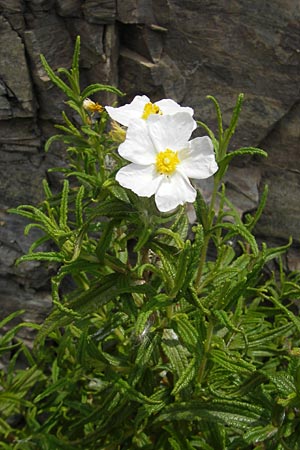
(156, 345)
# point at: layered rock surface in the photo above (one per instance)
(182, 49)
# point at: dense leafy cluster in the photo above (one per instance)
(150, 344)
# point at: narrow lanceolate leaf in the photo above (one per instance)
(76, 54)
(230, 362)
(172, 235)
(47, 189)
(212, 137)
(186, 377)
(91, 89)
(219, 115)
(260, 433)
(49, 142)
(176, 353)
(143, 238)
(283, 382)
(241, 230)
(11, 316)
(181, 225)
(234, 119)
(63, 211)
(293, 318)
(194, 254)
(54, 387)
(224, 319)
(105, 240)
(133, 394)
(55, 79)
(169, 270)
(258, 340)
(42, 256)
(251, 221)
(240, 415)
(182, 267)
(244, 151)
(201, 210)
(79, 206)
(88, 301)
(186, 331)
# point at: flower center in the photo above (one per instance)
(166, 162)
(150, 108)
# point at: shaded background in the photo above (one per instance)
(180, 49)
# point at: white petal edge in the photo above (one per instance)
(143, 180)
(138, 147)
(171, 132)
(174, 191)
(198, 160)
(124, 114)
(169, 106)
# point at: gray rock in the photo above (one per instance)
(135, 11)
(68, 8)
(183, 49)
(103, 12)
(15, 84)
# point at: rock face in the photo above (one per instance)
(182, 49)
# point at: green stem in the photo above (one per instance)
(202, 260)
(170, 311)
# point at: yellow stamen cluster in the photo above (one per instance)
(166, 162)
(92, 107)
(150, 108)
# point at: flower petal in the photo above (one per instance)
(168, 106)
(171, 132)
(198, 160)
(124, 114)
(143, 180)
(173, 191)
(138, 146)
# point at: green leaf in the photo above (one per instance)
(239, 229)
(260, 434)
(244, 151)
(174, 350)
(186, 377)
(251, 221)
(212, 137)
(79, 206)
(186, 330)
(283, 381)
(9, 318)
(76, 54)
(53, 388)
(181, 270)
(219, 115)
(233, 123)
(63, 211)
(84, 302)
(55, 79)
(232, 363)
(236, 414)
(143, 238)
(42, 256)
(259, 339)
(91, 89)
(201, 210)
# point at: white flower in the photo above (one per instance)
(163, 159)
(142, 108)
